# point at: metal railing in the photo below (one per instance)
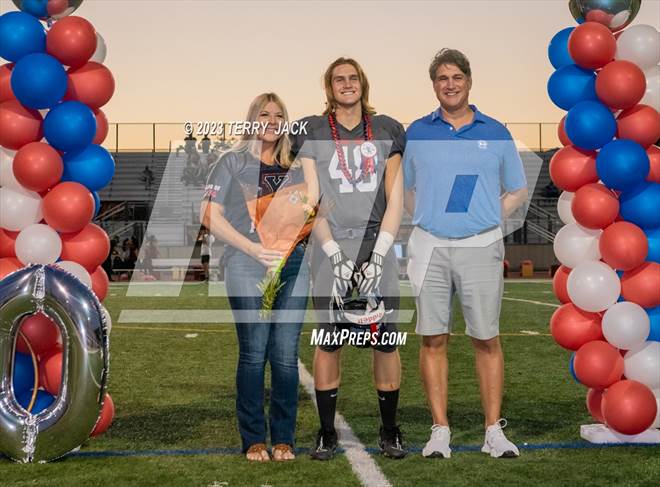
(164, 136)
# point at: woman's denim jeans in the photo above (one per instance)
(274, 340)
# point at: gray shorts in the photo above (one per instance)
(440, 268)
(358, 251)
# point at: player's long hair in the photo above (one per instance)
(331, 103)
(252, 144)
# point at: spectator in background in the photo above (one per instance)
(190, 146)
(147, 177)
(206, 145)
(107, 264)
(550, 190)
(151, 252)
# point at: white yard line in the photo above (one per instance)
(541, 303)
(363, 465)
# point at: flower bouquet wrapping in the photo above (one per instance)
(282, 220)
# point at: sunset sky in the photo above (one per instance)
(178, 60)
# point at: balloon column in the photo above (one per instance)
(52, 89)
(607, 79)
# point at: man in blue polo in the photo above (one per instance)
(463, 176)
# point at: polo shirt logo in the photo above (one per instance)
(461, 193)
(483, 144)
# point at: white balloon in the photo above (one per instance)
(19, 208)
(652, 95)
(101, 50)
(626, 325)
(77, 270)
(7, 178)
(574, 244)
(639, 44)
(108, 319)
(643, 364)
(564, 207)
(38, 244)
(593, 286)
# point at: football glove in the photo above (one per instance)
(371, 273)
(343, 269)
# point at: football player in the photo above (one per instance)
(357, 158)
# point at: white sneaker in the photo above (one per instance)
(438, 444)
(496, 443)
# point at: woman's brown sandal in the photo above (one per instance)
(283, 453)
(257, 453)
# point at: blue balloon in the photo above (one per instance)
(70, 126)
(653, 238)
(590, 125)
(558, 49)
(39, 81)
(20, 34)
(570, 85)
(93, 167)
(654, 316)
(571, 368)
(622, 164)
(97, 203)
(641, 205)
(43, 401)
(23, 374)
(38, 8)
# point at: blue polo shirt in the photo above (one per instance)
(459, 175)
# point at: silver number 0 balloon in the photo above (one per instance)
(68, 422)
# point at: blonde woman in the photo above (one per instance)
(261, 162)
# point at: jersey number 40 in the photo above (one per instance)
(355, 168)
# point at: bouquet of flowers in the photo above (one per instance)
(282, 220)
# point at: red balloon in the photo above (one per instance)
(559, 282)
(56, 7)
(623, 246)
(106, 417)
(89, 247)
(640, 123)
(40, 332)
(598, 364)
(654, 160)
(561, 133)
(594, 401)
(595, 206)
(572, 327)
(621, 85)
(37, 166)
(68, 207)
(72, 41)
(101, 127)
(19, 125)
(50, 372)
(591, 45)
(6, 93)
(642, 285)
(8, 243)
(9, 265)
(629, 407)
(571, 168)
(91, 84)
(600, 16)
(100, 283)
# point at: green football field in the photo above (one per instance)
(173, 387)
